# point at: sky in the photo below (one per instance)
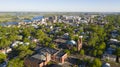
(61, 5)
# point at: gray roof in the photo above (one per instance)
(39, 56)
(71, 42)
(48, 50)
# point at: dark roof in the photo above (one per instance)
(32, 59)
(48, 50)
(61, 53)
(54, 65)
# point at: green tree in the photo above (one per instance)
(99, 53)
(15, 63)
(96, 63)
(4, 43)
(32, 45)
(94, 52)
(26, 39)
(52, 45)
(93, 39)
(102, 46)
(82, 52)
(118, 53)
(26, 32)
(42, 37)
(23, 51)
(2, 57)
(74, 49)
(67, 51)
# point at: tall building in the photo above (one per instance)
(79, 43)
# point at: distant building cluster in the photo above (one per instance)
(72, 20)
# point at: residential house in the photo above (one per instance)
(109, 57)
(16, 43)
(66, 36)
(5, 50)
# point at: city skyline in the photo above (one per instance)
(60, 5)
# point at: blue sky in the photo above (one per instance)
(61, 5)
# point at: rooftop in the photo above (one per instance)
(35, 60)
(60, 40)
(27, 21)
(39, 56)
(71, 42)
(48, 50)
(60, 54)
(37, 18)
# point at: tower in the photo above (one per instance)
(48, 57)
(79, 43)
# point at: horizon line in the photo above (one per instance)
(68, 11)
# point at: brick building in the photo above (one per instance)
(44, 56)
